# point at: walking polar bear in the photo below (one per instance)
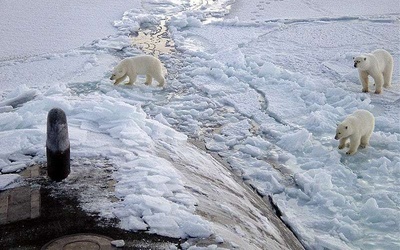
(379, 65)
(358, 128)
(139, 65)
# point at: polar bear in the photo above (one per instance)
(139, 65)
(379, 65)
(358, 128)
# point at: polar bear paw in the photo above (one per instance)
(351, 152)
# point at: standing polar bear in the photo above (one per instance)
(379, 65)
(358, 128)
(139, 65)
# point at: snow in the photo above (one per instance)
(7, 179)
(263, 83)
(42, 29)
(118, 243)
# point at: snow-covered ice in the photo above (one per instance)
(262, 83)
(43, 29)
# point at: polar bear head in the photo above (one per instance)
(343, 130)
(361, 62)
(118, 72)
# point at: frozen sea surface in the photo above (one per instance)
(262, 83)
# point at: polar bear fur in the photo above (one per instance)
(379, 65)
(358, 128)
(139, 65)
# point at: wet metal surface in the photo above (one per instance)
(19, 204)
(36, 213)
(23, 202)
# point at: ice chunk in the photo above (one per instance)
(7, 179)
(193, 225)
(13, 168)
(295, 141)
(5, 109)
(118, 243)
(183, 21)
(133, 223)
(19, 96)
(165, 225)
(147, 202)
(10, 121)
(251, 150)
(269, 69)
(158, 179)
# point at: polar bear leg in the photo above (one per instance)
(132, 79)
(342, 143)
(149, 79)
(119, 80)
(160, 79)
(354, 144)
(378, 83)
(387, 80)
(365, 140)
(364, 80)
(387, 73)
(387, 77)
